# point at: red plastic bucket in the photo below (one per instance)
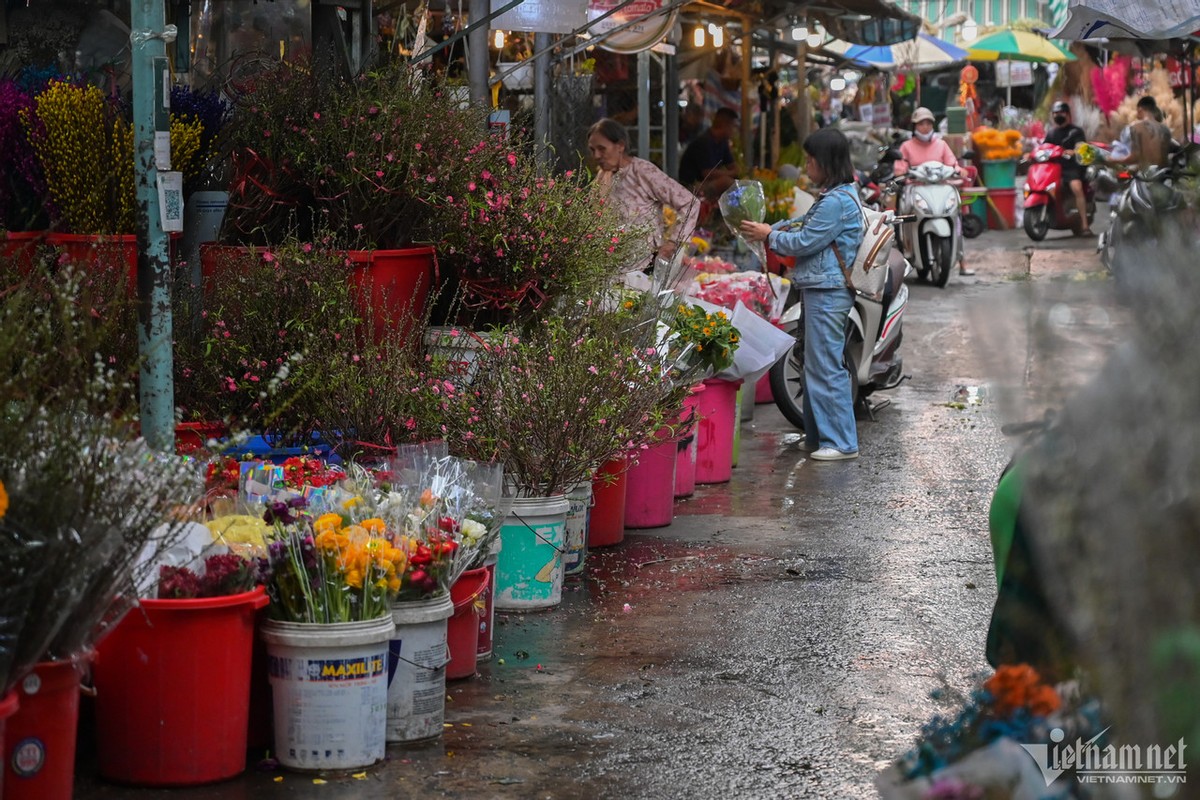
(39, 740)
(21, 247)
(393, 285)
(120, 251)
(1002, 208)
(8, 706)
(193, 436)
(650, 493)
(462, 632)
(173, 691)
(606, 523)
(715, 431)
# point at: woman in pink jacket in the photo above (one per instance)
(926, 146)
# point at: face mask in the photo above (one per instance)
(1060, 119)
(925, 137)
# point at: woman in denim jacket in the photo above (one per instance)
(836, 218)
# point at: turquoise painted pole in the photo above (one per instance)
(152, 153)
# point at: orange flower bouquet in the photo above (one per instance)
(994, 145)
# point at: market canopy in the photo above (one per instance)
(1128, 19)
(865, 22)
(923, 52)
(1010, 45)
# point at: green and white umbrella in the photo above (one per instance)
(1010, 45)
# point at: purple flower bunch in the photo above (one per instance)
(22, 183)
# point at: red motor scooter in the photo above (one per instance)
(1049, 202)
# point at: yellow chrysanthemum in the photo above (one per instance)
(3, 500)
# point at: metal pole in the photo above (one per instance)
(478, 64)
(671, 117)
(151, 138)
(643, 95)
(747, 88)
(541, 99)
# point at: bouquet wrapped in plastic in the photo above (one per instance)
(745, 201)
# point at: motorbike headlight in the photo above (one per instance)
(1050, 189)
(951, 204)
(1041, 156)
(920, 203)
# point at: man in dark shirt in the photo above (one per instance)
(707, 166)
(1068, 137)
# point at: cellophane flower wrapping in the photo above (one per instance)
(745, 201)
(764, 294)
(977, 753)
(331, 568)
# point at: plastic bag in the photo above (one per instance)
(761, 344)
(745, 200)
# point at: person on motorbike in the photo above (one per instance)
(926, 146)
(826, 237)
(1069, 136)
(1148, 139)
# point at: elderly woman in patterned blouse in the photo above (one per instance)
(640, 189)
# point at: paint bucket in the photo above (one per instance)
(458, 347)
(417, 657)
(606, 523)
(329, 684)
(463, 630)
(685, 461)
(580, 499)
(487, 621)
(715, 431)
(169, 713)
(39, 739)
(650, 498)
(529, 574)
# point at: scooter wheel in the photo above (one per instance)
(972, 225)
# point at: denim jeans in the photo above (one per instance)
(828, 404)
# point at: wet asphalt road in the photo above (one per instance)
(786, 631)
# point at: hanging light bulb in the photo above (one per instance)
(718, 36)
(799, 32)
(698, 36)
(837, 84)
(498, 39)
(969, 30)
(814, 39)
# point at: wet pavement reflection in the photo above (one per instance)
(782, 637)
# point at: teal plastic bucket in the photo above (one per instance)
(1000, 174)
(529, 573)
(975, 201)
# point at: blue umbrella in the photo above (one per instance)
(923, 51)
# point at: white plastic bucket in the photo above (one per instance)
(529, 574)
(329, 684)
(417, 657)
(575, 553)
(487, 620)
(458, 346)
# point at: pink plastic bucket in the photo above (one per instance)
(715, 430)
(685, 460)
(762, 391)
(650, 494)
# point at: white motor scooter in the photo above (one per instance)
(872, 350)
(929, 206)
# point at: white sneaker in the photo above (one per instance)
(832, 454)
